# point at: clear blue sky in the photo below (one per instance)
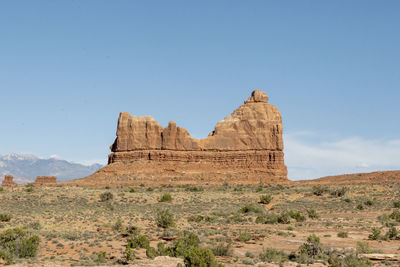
(67, 68)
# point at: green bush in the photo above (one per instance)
(117, 225)
(339, 192)
(244, 236)
(5, 217)
(184, 243)
(165, 219)
(351, 260)
(396, 204)
(265, 199)
(319, 190)
(129, 254)
(132, 190)
(360, 207)
(138, 241)
(194, 189)
(392, 233)
(296, 215)
(251, 209)
(151, 253)
(312, 247)
(200, 257)
(284, 218)
(17, 243)
(343, 235)
(312, 214)
(376, 234)
(106, 196)
(395, 215)
(222, 250)
(369, 202)
(273, 255)
(166, 197)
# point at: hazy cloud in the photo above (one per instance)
(308, 157)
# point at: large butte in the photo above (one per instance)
(244, 148)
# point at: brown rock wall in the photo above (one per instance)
(8, 181)
(46, 180)
(245, 147)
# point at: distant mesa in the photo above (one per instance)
(244, 148)
(8, 181)
(45, 180)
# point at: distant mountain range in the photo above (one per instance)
(25, 168)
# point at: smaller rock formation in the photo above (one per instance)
(8, 181)
(46, 180)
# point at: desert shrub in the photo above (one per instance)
(194, 189)
(138, 241)
(5, 217)
(376, 234)
(363, 247)
(117, 226)
(312, 247)
(251, 209)
(101, 257)
(284, 218)
(369, 202)
(151, 253)
(319, 190)
(244, 236)
(129, 254)
(360, 207)
(347, 200)
(195, 218)
(1, 189)
(259, 189)
(17, 243)
(395, 215)
(150, 189)
(312, 214)
(296, 215)
(29, 188)
(166, 197)
(200, 257)
(339, 192)
(351, 260)
(392, 233)
(132, 190)
(165, 219)
(187, 241)
(273, 255)
(179, 247)
(222, 249)
(342, 234)
(106, 196)
(265, 199)
(396, 204)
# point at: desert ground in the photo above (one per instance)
(301, 224)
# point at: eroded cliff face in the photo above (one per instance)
(8, 181)
(255, 125)
(246, 147)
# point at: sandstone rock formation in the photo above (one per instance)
(8, 181)
(45, 180)
(246, 147)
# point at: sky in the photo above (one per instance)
(67, 68)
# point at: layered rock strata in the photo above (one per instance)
(46, 180)
(246, 147)
(8, 181)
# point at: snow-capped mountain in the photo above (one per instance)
(25, 167)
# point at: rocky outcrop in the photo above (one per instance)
(246, 147)
(41, 180)
(8, 181)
